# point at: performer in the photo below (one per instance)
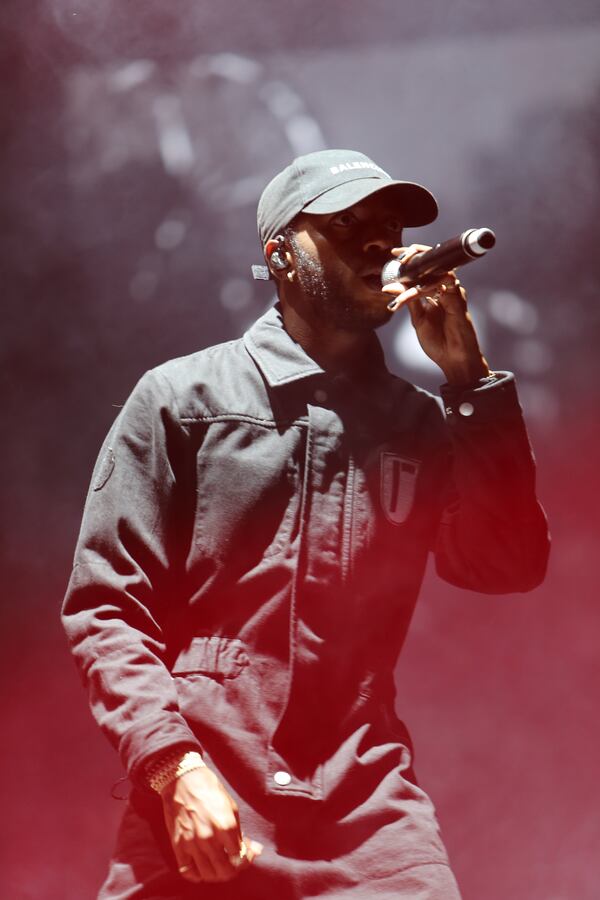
(252, 548)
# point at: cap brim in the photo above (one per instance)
(416, 206)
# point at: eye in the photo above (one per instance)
(393, 224)
(344, 220)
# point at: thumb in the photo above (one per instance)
(253, 849)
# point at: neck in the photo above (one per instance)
(332, 348)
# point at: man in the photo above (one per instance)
(252, 549)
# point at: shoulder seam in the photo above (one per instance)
(156, 373)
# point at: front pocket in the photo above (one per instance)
(219, 657)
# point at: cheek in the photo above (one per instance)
(343, 260)
(340, 272)
(338, 257)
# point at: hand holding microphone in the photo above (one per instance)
(439, 314)
(426, 272)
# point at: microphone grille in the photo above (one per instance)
(390, 271)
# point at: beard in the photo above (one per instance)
(331, 301)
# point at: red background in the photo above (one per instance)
(118, 253)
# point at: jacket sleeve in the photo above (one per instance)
(125, 577)
(493, 534)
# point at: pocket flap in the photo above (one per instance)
(212, 656)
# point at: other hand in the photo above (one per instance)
(203, 824)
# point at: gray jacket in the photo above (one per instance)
(253, 544)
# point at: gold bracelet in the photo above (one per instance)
(171, 766)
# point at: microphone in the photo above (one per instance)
(430, 265)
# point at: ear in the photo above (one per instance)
(270, 247)
(278, 259)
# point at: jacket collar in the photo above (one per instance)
(278, 356)
(282, 360)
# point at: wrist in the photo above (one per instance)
(467, 375)
(171, 765)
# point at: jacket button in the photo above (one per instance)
(466, 409)
(282, 778)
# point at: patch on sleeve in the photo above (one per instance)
(106, 469)
(398, 483)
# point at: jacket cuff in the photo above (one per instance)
(490, 399)
(149, 740)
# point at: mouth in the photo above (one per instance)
(372, 281)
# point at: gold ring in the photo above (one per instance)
(241, 856)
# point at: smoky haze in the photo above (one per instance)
(135, 139)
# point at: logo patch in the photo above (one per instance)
(398, 483)
(356, 164)
(105, 469)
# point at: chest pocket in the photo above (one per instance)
(216, 656)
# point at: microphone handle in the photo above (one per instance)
(430, 265)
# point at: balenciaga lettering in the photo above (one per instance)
(357, 164)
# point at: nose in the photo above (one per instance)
(378, 243)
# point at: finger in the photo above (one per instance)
(255, 848)
(197, 846)
(396, 287)
(453, 298)
(231, 840)
(399, 288)
(203, 862)
(185, 862)
(250, 851)
(227, 839)
(189, 872)
(449, 284)
(450, 279)
(445, 292)
(224, 867)
(411, 250)
(241, 857)
(224, 863)
(405, 296)
(186, 865)
(227, 867)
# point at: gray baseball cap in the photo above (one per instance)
(330, 181)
